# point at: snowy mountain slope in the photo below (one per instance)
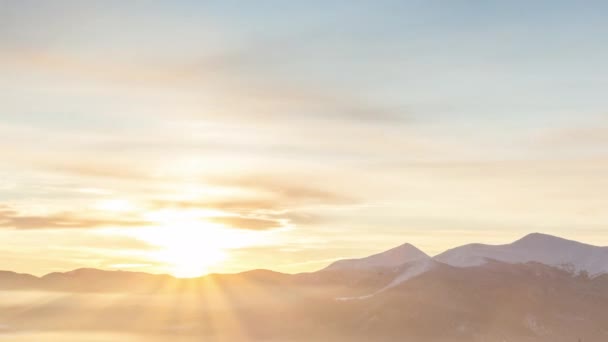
(402, 274)
(414, 269)
(542, 248)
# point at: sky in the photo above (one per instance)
(189, 137)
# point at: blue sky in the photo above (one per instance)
(297, 131)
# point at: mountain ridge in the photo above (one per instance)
(402, 263)
(535, 247)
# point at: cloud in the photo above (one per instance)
(285, 191)
(99, 170)
(249, 223)
(588, 134)
(264, 193)
(230, 204)
(240, 82)
(268, 214)
(580, 136)
(10, 218)
(299, 218)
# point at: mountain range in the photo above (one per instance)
(538, 288)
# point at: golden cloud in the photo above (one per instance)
(249, 223)
(10, 218)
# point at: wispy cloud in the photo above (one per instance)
(249, 223)
(11, 218)
(251, 93)
(593, 133)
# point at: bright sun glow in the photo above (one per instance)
(189, 246)
(186, 255)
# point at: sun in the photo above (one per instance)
(188, 256)
(187, 246)
(185, 251)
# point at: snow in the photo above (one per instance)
(392, 258)
(542, 248)
(417, 268)
(413, 270)
(546, 249)
(344, 299)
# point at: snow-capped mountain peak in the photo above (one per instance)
(536, 247)
(389, 259)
